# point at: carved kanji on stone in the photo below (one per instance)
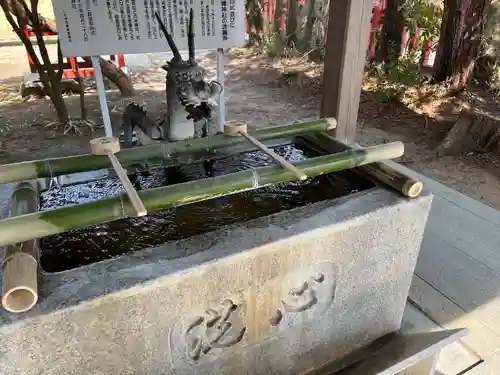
(215, 329)
(310, 296)
(304, 297)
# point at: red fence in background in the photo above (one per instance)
(85, 69)
(377, 22)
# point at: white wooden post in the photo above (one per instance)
(220, 78)
(101, 92)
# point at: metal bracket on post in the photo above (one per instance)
(101, 91)
(221, 118)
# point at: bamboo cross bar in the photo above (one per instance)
(45, 223)
(110, 146)
(174, 153)
(239, 128)
(378, 172)
(20, 266)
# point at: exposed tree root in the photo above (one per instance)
(76, 126)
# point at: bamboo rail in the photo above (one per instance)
(175, 153)
(20, 267)
(40, 224)
(377, 171)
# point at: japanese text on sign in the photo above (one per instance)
(91, 27)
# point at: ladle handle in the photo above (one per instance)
(278, 159)
(129, 188)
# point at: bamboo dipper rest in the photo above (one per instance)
(110, 146)
(239, 128)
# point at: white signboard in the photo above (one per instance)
(103, 27)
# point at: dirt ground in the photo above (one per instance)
(254, 94)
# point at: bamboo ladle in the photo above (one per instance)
(239, 128)
(110, 146)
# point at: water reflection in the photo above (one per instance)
(79, 247)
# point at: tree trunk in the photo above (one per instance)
(81, 85)
(305, 40)
(474, 131)
(109, 70)
(51, 81)
(255, 21)
(115, 75)
(460, 40)
(278, 14)
(19, 11)
(391, 35)
(291, 22)
(118, 77)
(59, 104)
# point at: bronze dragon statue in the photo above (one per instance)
(190, 99)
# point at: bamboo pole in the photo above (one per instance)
(379, 172)
(239, 129)
(20, 267)
(175, 153)
(60, 220)
(110, 146)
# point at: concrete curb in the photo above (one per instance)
(17, 42)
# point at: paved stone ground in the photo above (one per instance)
(14, 62)
(457, 280)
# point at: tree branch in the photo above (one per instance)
(37, 29)
(26, 16)
(20, 33)
(60, 60)
(26, 10)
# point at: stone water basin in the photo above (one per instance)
(277, 281)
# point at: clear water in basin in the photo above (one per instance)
(99, 242)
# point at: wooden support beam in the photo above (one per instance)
(347, 44)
